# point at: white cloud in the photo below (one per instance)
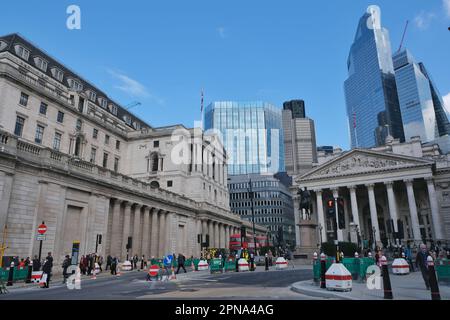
(132, 87)
(446, 4)
(447, 102)
(221, 32)
(423, 19)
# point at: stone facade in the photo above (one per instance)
(404, 184)
(74, 158)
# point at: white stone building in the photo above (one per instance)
(74, 158)
(385, 188)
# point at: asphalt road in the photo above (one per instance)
(262, 285)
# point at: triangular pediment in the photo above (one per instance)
(358, 161)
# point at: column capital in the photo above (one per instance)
(119, 201)
(352, 187)
(128, 204)
(429, 179)
(408, 181)
(147, 208)
(389, 184)
(370, 185)
(318, 191)
(138, 206)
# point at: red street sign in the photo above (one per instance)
(42, 229)
(154, 269)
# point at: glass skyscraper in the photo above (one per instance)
(251, 133)
(370, 90)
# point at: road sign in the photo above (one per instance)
(40, 237)
(42, 229)
(154, 269)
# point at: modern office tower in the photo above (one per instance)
(370, 89)
(272, 204)
(299, 138)
(251, 133)
(421, 105)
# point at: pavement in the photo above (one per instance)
(404, 287)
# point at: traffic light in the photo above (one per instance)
(243, 232)
(331, 209)
(341, 213)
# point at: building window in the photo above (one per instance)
(77, 152)
(41, 63)
(95, 133)
(156, 144)
(117, 144)
(78, 125)
(23, 99)
(104, 103)
(43, 109)
(154, 162)
(93, 155)
(106, 139)
(92, 95)
(116, 164)
(57, 141)
(169, 183)
(81, 105)
(105, 160)
(60, 117)
(75, 85)
(39, 134)
(57, 74)
(114, 109)
(20, 122)
(22, 52)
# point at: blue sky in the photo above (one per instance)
(162, 53)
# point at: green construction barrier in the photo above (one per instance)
(196, 261)
(230, 265)
(442, 267)
(4, 274)
(19, 274)
(316, 270)
(216, 265)
(364, 263)
(353, 266)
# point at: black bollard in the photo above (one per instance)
(386, 280)
(322, 270)
(267, 262)
(237, 263)
(30, 272)
(10, 275)
(435, 295)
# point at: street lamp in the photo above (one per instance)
(320, 237)
(250, 190)
(374, 231)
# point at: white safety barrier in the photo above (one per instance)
(400, 266)
(202, 265)
(126, 266)
(338, 278)
(243, 265)
(36, 276)
(281, 263)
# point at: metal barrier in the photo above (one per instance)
(364, 263)
(316, 270)
(353, 266)
(230, 265)
(356, 266)
(20, 273)
(442, 267)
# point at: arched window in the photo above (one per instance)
(154, 184)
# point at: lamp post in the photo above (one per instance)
(374, 231)
(320, 237)
(250, 190)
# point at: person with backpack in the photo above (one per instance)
(108, 262)
(114, 263)
(47, 269)
(65, 266)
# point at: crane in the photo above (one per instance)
(403, 36)
(132, 105)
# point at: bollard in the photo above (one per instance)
(10, 275)
(267, 262)
(369, 254)
(386, 280)
(30, 272)
(237, 263)
(435, 295)
(322, 270)
(356, 255)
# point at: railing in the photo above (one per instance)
(29, 148)
(76, 162)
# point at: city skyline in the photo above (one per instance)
(228, 55)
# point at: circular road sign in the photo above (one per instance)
(42, 229)
(154, 269)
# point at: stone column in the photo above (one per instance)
(222, 236)
(136, 249)
(354, 205)
(211, 234)
(116, 232)
(146, 233)
(437, 225)
(126, 230)
(199, 231)
(373, 213)
(340, 233)
(413, 210)
(161, 234)
(216, 235)
(169, 237)
(320, 215)
(154, 243)
(297, 215)
(393, 212)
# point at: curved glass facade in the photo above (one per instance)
(370, 91)
(251, 133)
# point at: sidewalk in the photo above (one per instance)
(407, 287)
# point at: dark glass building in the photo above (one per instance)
(297, 108)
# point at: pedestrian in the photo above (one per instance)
(181, 260)
(114, 263)
(89, 264)
(142, 262)
(47, 269)
(252, 260)
(100, 262)
(421, 263)
(83, 265)
(408, 257)
(36, 264)
(27, 261)
(108, 262)
(22, 263)
(65, 266)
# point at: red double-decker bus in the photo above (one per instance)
(247, 242)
